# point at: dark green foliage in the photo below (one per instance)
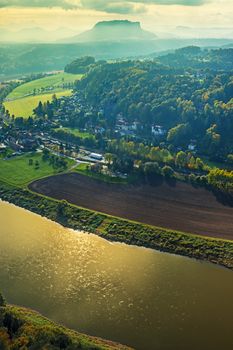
(187, 102)
(2, 300)
(11, 323)
(89, 142)
(80, 65)
(193, 56)
(221, 179)
(167, 171)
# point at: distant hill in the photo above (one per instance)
(34, 35)
(17, 59)
(113, 31)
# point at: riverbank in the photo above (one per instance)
(115, 229)
(24, 328)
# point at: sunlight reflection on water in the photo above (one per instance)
(132, 295)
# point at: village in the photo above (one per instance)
(71, 129)
(28, 135)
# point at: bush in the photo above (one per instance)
(167, 171)
(2, 300)
(192, 178)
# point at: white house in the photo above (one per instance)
(96, 156)
(158, 130)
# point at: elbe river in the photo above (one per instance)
(136, 296)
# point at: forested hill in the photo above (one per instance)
(28, 58)
(195, 57)
(189, 103)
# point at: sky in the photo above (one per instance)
(213, 17)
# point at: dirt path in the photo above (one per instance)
(179, 206)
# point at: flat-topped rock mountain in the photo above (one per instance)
(113, 31)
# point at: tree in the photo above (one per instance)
(167, 171)
(61, 210)
(2, 300)
(96, 168)
(179, 134)
(192, 163)
(108, 158)
(212, 139)
(39, 110)
(80, 65)
(45, 155)
(151, 168)
(37, 165)
(181, 159)
(199, 164)
(230, 158)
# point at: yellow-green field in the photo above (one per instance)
(23, 107)
(55, 82)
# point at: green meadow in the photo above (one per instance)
(76, 132)
(55, 81)
(17, 171)
(23, 107)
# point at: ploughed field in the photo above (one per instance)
(178, 206)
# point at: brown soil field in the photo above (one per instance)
(178, 206)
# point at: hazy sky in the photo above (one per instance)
(79, 15)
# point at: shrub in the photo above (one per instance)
(2, 300)
(167, 171)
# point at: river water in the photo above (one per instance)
(137, 296)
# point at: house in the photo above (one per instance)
(29, 144)
(191, 147)
(99, 130)
(96, 156)
(158, 130)
(2, 147)
(124, 127)
(14, 144)
(127, 133)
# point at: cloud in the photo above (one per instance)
(134, 6)
(112, 6)
(38, 3)
(115, 6)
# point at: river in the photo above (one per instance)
(137, 296)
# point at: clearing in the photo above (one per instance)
(17, 171)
